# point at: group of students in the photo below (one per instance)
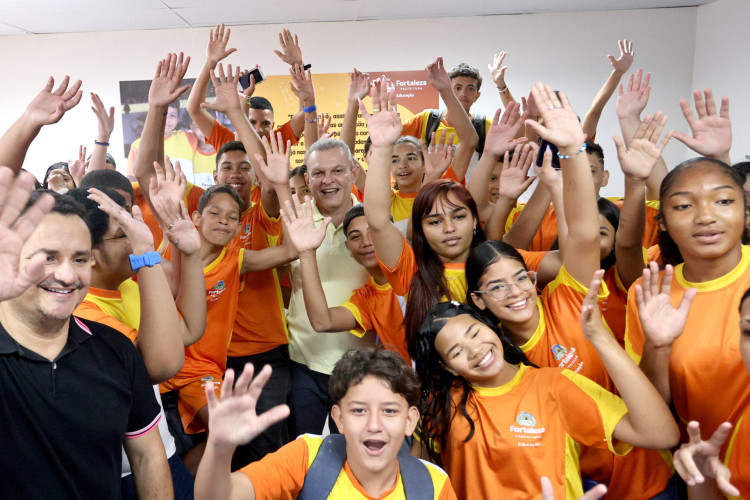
(530, 350)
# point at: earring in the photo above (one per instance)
(475, 229)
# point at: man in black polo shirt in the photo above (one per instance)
(73, 391)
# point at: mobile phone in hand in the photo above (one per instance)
(257, 74)
(540, 155)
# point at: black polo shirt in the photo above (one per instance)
(64, 421)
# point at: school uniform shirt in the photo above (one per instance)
(259, 324)
(340, 274)
(192, 198)
(613, 307)
(221, 135)
(377, 308)
(533, 426)
(400, 277)
(281, 475)
(737, 452)
(559, 342)
(208, 356)
(707, 378)
(121, 309)
(180, 145)
(401, 205)
(547, 233)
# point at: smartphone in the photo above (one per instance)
(540, 155)
(257, 74)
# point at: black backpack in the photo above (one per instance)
(324, 471)
(436, 116)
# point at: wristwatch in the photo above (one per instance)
(148, 259)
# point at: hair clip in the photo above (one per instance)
(455, 303)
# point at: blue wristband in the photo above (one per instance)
(568, 157)
(310, 109)
(148, 259)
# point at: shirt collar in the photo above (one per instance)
(78, 332)
(317, 216)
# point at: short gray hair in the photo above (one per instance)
(328, 144)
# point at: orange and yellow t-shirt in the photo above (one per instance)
(614, 306)
(737, 453)
(259, 325)
(110, 307)
(192, 198)
(533, 426)
(707, 378)
(221, 135)
(281, 475)
(377, 307)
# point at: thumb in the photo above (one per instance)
(611, 58)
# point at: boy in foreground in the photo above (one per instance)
(375, 394)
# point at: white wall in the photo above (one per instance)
(722, 62)
(567, 51)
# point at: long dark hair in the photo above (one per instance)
(428, 286)
(670, 253)
(436, 405)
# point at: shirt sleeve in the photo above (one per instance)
(400, 277)
(220, 135)
(193, 195)
(280, 474)
(532, 259)
(634, 336)
(358, 305)
(287, 134)
(90, 311)
(589, 412)
(145, 411)
(413, 126)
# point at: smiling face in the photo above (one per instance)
(262, 121)
(472, 350)
(172, 120)
(220, 220)
(234, 168)
(359, 243)
(298, 186)
(67, 271)
(704, 212)
(519, 302)
(330, 177)
(374, 421)
(465, 88)
(449, 229)
(111, 256)
(407, 167)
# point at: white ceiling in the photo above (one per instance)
(18, 17)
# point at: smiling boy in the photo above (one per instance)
(375, 394)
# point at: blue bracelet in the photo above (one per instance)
(311, 109)
(568, 157)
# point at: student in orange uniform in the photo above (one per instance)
(218, 222)
(699, 462)
(373, 306)
(546, 328)
(485, 407)
(375, 394)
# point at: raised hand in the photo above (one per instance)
(292, 54)
(594, 493)
(250, 90)
(711, 132)
(661, 321)
(500, 136)
(299, 226)
(529, 107)
(15, 229)
(548, 176)
(167, 193)
(77, 167)
(105, 120)
(438, 156)
(497, 70)
(698, 459)
(640, 158)
(384, 124)
(359, 85)
(324, 124)
(302, 85)
(49, 106)
(165, 87)
(561, 126)
(514, 179)
(437, 76)
(275, 166)
(233, 420)
(632, 101)
(227, 98)
(591, 318)
(622, 63)
(217, 50)
(136, 231)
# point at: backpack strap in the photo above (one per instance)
(415, 476)
(323, 473)
(433, 123)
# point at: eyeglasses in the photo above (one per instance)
(500, 291)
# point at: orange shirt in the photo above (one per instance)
(547, 233)
(707, 378)
(737, 453)
(92, 309)
(613, 307)
(259, 325)
(532, 259)
(221, 135)
(192, 197)
(529, 428)
(281, 475)
(654, 255)
(559, 342)
(377, 307)
(208, 356)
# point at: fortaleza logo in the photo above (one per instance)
(528, 424)
(214, 294)
(220, 285)
(558, 351)
(410, 83)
